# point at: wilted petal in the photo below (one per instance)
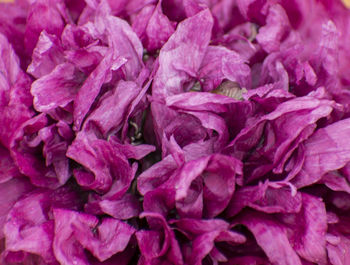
(15, 98)
(8, 168)
(265, 198)
(326, 150)
(47, 54)
(264, 228)
(153, 27)
(308, 230)
(277, 26)
(181, 56)
(11, 192)
(113, 237)
(124, 208)
(220, 63)
(204, 234)
(29, 228)
(58, 88)
(109, 115)
(91, 87)
(43, 15)
(160, 243)
(104, 164)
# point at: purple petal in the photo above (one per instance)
(179, 58)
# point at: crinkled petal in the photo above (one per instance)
(308, 230)
(277, 26)
(104, 165)
(264, 229)
(47, 54)
(326, 150)
(181, 56)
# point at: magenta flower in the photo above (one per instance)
(181, 132)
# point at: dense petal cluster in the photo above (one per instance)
(174, 132)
